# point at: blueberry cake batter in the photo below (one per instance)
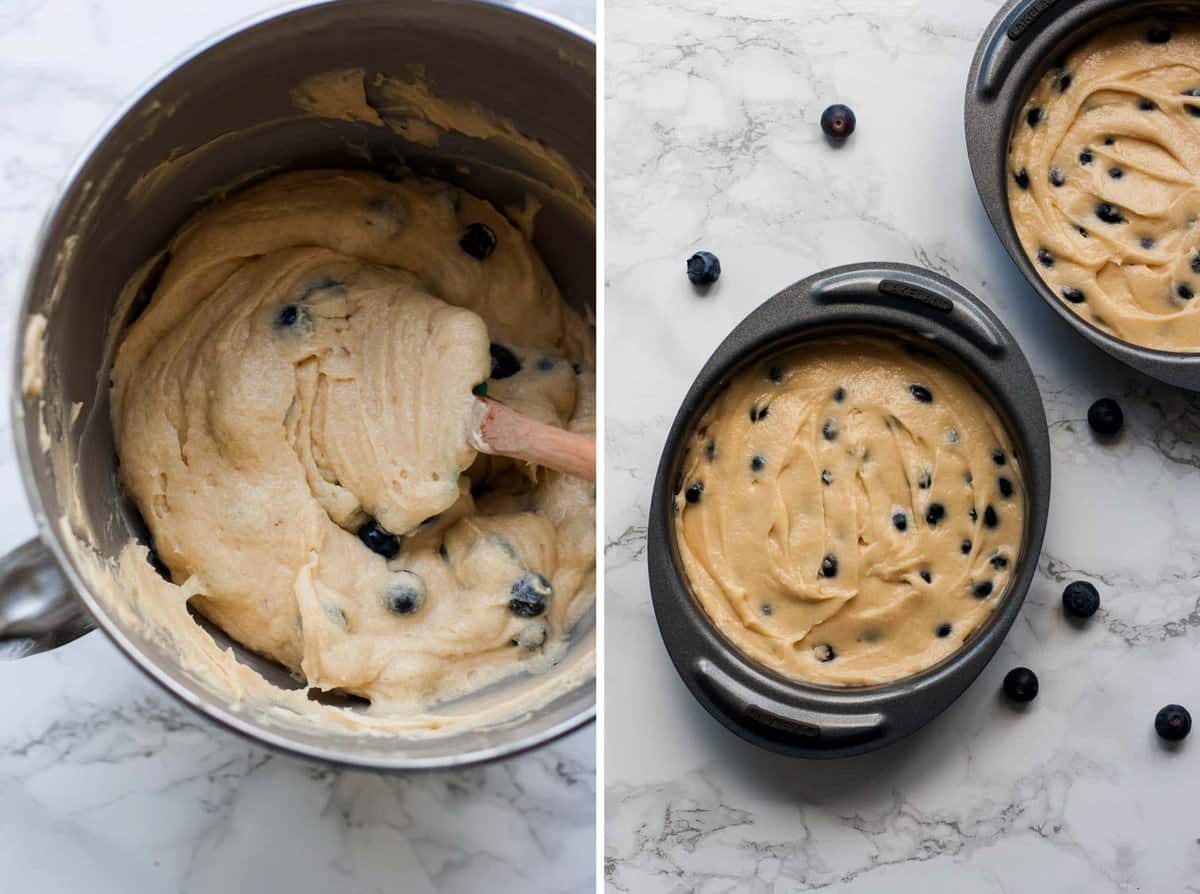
(291, 411)
(1104, 183)
(850, 512)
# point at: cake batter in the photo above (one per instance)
(291, 410)
(850, 512)
(1104, 183)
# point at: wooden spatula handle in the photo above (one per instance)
(502, 430)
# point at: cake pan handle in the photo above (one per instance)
(1004, 44)
(39, 610)
(773, 719)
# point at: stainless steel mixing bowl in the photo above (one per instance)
(231, 101)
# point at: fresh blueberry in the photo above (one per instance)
(824, 653)
(1195, 263)
(1021, 684)
(1080, 599)
(829, 566)
(710, 450)
(926, 575)
(1106, 417)
(1110, 141)
(1173, 723)
(826, 477)
(838, 121)
(1057, 178)
(982, 590)
(757, 413)
(1005, 486)
(775, 374)
(989, 518)
(1115, 172)
(703, 268)
(379, 539)
(1158, 34)
(287, 316)
(1086, 157)
(839, 394)
(1185, 292)
(1063, 82)
(693, 492)
(1110, 214)
(530, 595)
(504, 362)
(943, 630)
(1034, 116)
(998, 457)
(1191, 109)
(1146, 105)
(830, 430)
(921, 393)
(1045, 258)
(405, 593)
(478, 241)
(757, 463)
(1022, 178)
(926, 480)
(1146, 242)
(999, 562)
(1074, 295)
(900, 521)
(935, 513)
(966, 546)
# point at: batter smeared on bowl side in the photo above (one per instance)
(850, 512)
(1104, 183)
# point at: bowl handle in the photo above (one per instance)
(1004, 43)
(775, 720)
(39, 610)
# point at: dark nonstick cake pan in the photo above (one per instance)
(812, 720)
(1022, 42)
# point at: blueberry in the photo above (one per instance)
(824, 653)
(710, 450)
(1115, 172)
(1021, 684)
(1146, 242)
(926, 480)
(1173, 723)
(1063, 82)
(965, 546)
(693, 492)
(287, 316)
(703, 268)
(1034, 116)
(1110, 214)
(1080, 599)
(757, 413)
(1105, 417)
(766, 609)
(935, 513)
(1045, 258)
(943, 630)
(926, 575)
(504, 362)
(829, 566)
(478, 241)
(1005, 486)
(838, 121)
(1022, 178)
(480, 389)
(1146, 105)
(1082, 232)
(989, 518)
(379, 539)
(757, 463)
(1195, 263)
(1185, 292)
(530, 595)
(999, 562)
(839, 394)
(900, 521)
(1192, 110)
(1086, 157)
(830, 430)
(998, 457)
(775, 374)
(1109, 141)
(973, 514)
(921, 393)
(1075, 296)
(982, 590)
(1057, 178)
(545, 364)
(1158, 34)
(826, 477)
(405, 593)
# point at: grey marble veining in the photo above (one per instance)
(106, 783)
(713, 142)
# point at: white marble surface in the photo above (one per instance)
(106, 784)
(713, 143)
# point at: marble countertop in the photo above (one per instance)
(106, 783)
(713, 142)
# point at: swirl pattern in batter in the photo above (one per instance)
(1104, 183)
(850, 512)
(291, 413)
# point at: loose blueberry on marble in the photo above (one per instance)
(405, 593)
(920, 393)
(379, 539)
(1021, 684)
(530, 595)
(1080, 599)
(693, 492)
(935, 513)
(505, 363)
(829, 566)
(1109, 213)
(838, 121)
(1173, 723)
(478, 241)
(982, 590)
(703, 268)
(1106, 417)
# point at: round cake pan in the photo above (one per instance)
(810, 720)
(1021, 43)
(223, 115)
